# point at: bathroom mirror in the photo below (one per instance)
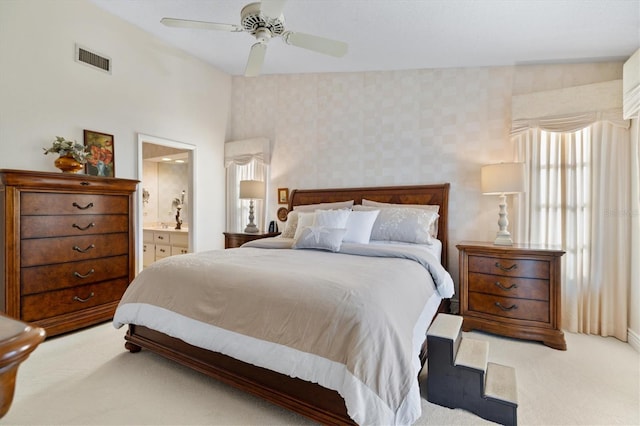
(167, 185)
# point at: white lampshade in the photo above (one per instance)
(251, 189)
(503, 178)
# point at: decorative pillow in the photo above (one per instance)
(359, 226)
(434, 208)
(332, 218)
(403, 224)
(291, 225)
(319, 237)
(324, 206)
(305, 219)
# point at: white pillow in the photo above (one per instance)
(402, 224)
(319, 237)
(305, 219)
(332, 218)
(291, 226)
(430, 207)
(359, 226)
(324, 206)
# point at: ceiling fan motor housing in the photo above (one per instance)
(255, 22)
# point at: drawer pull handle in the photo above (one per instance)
(79, 275)
(506, 308)
(78, 249)
(84, 228)
(507, 269)
(511, 287)
(82, 208)
(85, 183)
(160, 237)
(78, 299)
(162, 250)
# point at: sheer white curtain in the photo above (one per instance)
(246, 160)
(580, 195)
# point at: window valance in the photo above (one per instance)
(244, 151)
(569, 109)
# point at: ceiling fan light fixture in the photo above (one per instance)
(263, 35)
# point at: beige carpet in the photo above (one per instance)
(87, 378)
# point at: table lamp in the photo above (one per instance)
(251, 190)
(502, 179)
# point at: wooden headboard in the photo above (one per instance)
(417, 194)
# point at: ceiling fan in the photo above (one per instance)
(264, 20)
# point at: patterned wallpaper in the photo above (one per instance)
(397, 127)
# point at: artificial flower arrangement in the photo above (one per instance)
(64, 147)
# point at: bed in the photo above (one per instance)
(298, 373)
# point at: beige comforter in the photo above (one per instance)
(357, 310)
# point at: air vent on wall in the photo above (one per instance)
(93, 59)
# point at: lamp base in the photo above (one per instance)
(503, 240)
(251, 229)
(503, 237)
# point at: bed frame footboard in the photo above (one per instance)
(308, 399)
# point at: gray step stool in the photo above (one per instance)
(460, 376)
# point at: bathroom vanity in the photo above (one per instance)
(159, 242)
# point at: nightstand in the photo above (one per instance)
(513, 291)
(236, 239)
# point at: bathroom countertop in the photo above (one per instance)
(168, 229)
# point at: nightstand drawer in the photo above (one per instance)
(522, 288)
(523, 309)
(510, 267)
(236, 239)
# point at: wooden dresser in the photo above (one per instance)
(236, 239)
(514, 291)
(67, 247)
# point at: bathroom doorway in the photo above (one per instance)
(166, 201)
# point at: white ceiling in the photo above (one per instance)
(404, 34)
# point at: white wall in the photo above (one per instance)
(398, 127)
(154, 89)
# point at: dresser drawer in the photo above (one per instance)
(524, 288)
(45, 305)
(60, 226)
(36, 203)
(510, 267)
(523, 309)
(54, 277)
(45, 251)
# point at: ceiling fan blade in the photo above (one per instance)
(201, 25)
(272, 8)
(256, 59)
(317, 44)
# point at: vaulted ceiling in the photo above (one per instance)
(403, 34)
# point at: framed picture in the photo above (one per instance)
(283, 195)
(101, 162)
